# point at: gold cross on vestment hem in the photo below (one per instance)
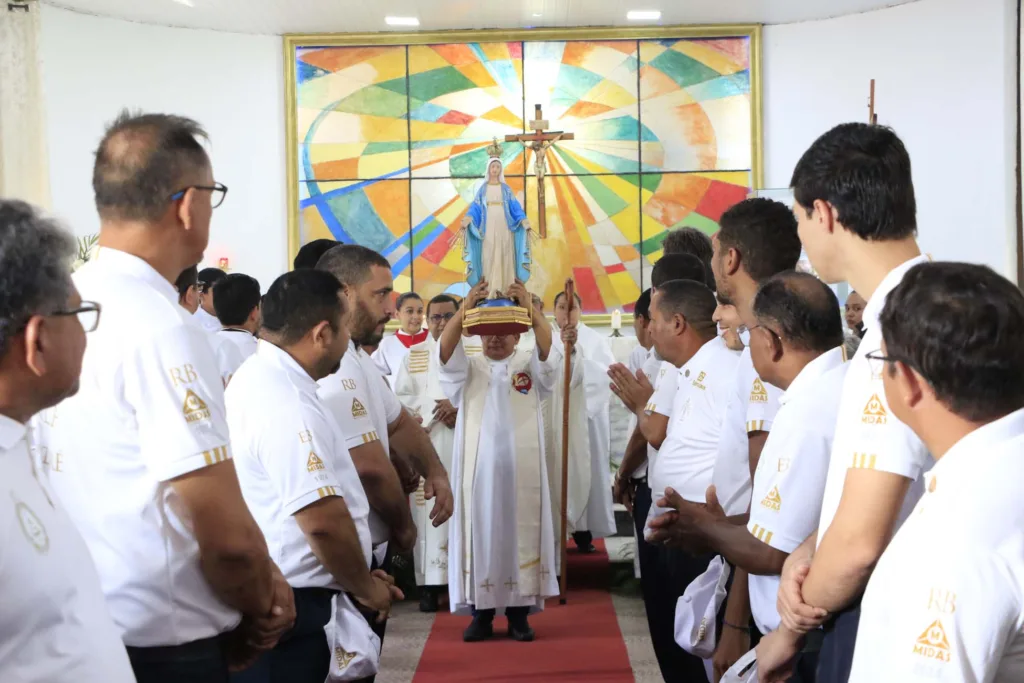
(539, 141)
(510, 584)
(487, 585)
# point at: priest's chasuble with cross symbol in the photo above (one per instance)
(501, 537)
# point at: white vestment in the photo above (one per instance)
(501, 538)
(590, 491)
(418, 387)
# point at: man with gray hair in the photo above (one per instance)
(146, 461)
(48, 583)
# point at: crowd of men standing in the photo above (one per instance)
(189, 504)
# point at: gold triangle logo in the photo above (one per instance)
(773, 501)
(875, 407)
(314, 463)
(358, 409)
(934, 636)
(343, 657)
(758, 388)
(195, 408)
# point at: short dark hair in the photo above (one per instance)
(692, 300)
(863, 171)
(402, 298)
(960, 326)
(310, 253)
(142, 160)
(680, 267)
(561, 295)
(235, 297)
(763, 232)
(642, 308)
(351, 263)
(208, 277)
(299, 301)
(188, 278)
(688, 241)
(443, 299)
(801, 309)
(35, 267)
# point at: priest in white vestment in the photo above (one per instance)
(589, 508)
(501, 538)
(417, 384)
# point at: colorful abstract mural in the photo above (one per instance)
(390, 148)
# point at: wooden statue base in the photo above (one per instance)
(497, 317)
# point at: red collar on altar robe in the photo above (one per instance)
(410, 340)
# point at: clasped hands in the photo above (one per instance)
(256, 635)
(634, 391)
(684, 523)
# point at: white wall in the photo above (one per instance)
(231, 83)
(945, 75)
(945, 72)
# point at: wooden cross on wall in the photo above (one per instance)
(539, 141)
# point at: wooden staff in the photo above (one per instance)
(570, 297)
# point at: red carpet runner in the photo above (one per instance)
(580, 641)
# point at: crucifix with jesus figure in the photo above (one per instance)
(539, 141)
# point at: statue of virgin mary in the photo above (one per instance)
(497, 232)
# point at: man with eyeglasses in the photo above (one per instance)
(418, 387)
(856, 216)
(146, 460)
(54, 624)
(946, 600)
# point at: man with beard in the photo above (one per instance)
(370, 415)
(298, 479)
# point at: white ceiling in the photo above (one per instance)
(357, 16)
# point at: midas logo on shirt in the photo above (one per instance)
(758, 394)
(358, 409)
(933, 643)
(195, 408)
(700, 378)
(314, 462)
(874, 412)
(773, 501)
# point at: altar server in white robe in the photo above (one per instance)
(418, 387)
(590, 515)
(393, 348)
(501, 540)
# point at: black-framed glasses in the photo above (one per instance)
(88, 313)
(218, 191)
(441, 317)
(880, 357)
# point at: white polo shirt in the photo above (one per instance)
(289, 453)
(946, 600)
(868, 435)
(637, 362)
(686, 459)
(243, 340)
(664, 377)
(54, 623)
(206, 321)
(229, 358)
(790, 476)
(150, 409)
(363, 404)
(751, 407)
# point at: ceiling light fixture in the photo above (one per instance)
(537, 14)
(186, 3)
(401, 21)
(643, 15)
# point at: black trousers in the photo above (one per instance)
(303, 654)
(201, 661)
(836, 656)
(673, 571)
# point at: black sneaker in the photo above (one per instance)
(481, 628)
(428, 600)
(519, 629)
